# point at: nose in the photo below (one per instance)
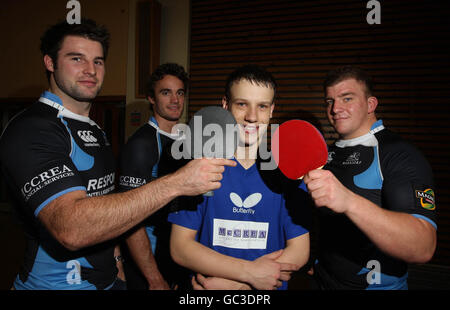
(90, 68)
(250, 115)
(336, 106)
(174, 98)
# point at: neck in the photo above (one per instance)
(78, 107)
(362, 131)
(164, 124)
(246, 155)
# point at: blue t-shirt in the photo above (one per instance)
(243, 219)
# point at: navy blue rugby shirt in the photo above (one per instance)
(45, 152)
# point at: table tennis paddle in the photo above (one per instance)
(213, 134)
(298, 147)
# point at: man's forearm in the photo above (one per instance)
(397, 234)
(141, 251)
(79, 221)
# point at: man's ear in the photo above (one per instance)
(48, 62)
(225, 103)
(372, 104)
(152, 101)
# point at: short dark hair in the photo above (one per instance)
(338, 75)
(252, 73)
(54, 36)
(161, 71)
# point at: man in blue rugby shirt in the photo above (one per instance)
(144, 158)
(375, 195)
(59, 167)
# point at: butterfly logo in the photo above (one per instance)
(249, 202)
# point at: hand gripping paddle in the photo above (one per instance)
(213, 134)
(298, 147)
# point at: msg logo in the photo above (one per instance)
(426, 199)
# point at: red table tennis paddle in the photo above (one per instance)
(298, 147)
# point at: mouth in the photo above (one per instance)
(250, 129)
(339, 118)
(173, 107)
(88, 83)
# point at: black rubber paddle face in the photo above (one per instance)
(213, 133)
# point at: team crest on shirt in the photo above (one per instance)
(426, 198)
(353, 159)
(330, 157)
(88, 137)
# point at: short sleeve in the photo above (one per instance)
(137, 159)
(35, 158)
(408, 184)
(191, 218)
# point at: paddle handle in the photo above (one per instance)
(300, 178)
(209, 194)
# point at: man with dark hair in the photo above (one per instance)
(140, 164)
(243, 236)
(378, 192)
(52, 39)
(60, 170)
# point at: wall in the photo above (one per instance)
(23, 71)
(23, 22)
(174, 47)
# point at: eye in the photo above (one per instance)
(347, 99)
(99, 62)
(165, 92)
(263, 106)
(329, 101)
(181, 93)
(76, 59)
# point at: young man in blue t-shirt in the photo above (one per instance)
(243, 236)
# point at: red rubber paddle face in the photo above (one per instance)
(298, 147)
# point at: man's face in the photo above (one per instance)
(348, 108)
(81, 68)
(169, 98)
(252, 107)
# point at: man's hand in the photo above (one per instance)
(267, 274)
(327, 191)
(201, 175)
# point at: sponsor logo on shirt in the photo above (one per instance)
(353, 159)
(426, 198)
(88, 137)
(330, 157)
(101, 186)
(129, 181)
(246, 205)
(45, 178)
(240, 234)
